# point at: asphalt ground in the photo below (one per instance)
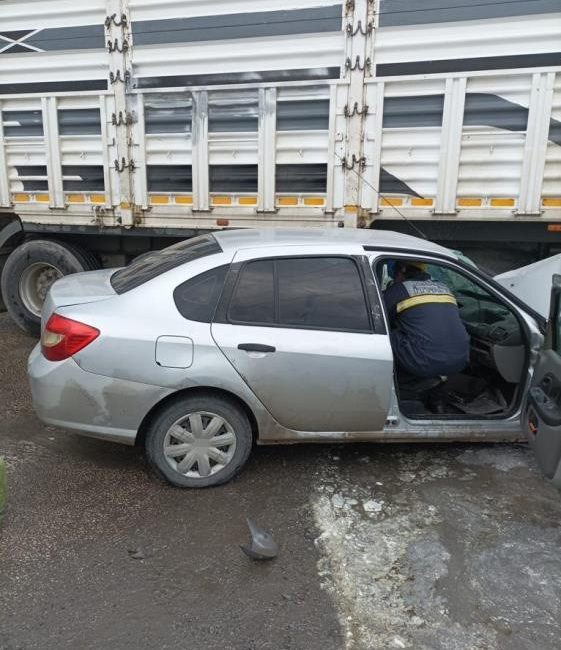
(436, 547)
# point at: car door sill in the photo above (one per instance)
(504, 429)
(414, 432)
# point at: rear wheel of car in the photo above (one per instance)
(199, 441)
(29, 272)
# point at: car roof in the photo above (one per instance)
(264, 237)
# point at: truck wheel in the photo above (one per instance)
(29, 272)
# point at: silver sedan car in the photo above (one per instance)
(201, 350)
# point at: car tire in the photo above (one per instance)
(18, 285)
(179, 413)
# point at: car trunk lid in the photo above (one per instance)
(77, 289)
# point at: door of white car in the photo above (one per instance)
(542, 416)
(307, 336)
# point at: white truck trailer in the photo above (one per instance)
(128, 124)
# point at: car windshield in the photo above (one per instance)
(150, 266)
(460, 284)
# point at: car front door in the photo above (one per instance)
(304, 334)
(542, 416)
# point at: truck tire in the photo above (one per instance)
(29, 272)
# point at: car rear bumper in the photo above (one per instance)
(66, 396)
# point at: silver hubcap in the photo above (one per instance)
(35, 283)
(200, 444)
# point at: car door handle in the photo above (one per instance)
(256, 347)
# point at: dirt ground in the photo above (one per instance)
(441, 547)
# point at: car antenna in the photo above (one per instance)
(408, 221)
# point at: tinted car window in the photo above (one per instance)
(320, 292)
(323, 292)
(150, 266)
(196, 299)
(253, 300)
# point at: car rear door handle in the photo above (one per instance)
(256, 347)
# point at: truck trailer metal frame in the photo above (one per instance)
(162, 120)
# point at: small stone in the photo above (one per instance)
(373, 506)
(337, 501)
(136, 553)
(398, 642)
(502, 625)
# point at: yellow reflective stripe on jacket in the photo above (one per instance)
(427, 299)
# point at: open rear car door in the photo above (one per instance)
(542, 416)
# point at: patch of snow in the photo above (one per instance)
(501, 457)
(363, 559)
(381, 560)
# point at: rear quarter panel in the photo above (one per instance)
(103, 407)
(131, 323)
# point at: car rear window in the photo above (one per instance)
(154, 264)
(196, 299)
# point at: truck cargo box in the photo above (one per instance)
(188, 114)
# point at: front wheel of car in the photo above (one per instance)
(199, 441)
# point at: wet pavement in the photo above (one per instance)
(440, 547)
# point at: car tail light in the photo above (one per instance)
(63, 337)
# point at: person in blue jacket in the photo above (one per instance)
(428, 337)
